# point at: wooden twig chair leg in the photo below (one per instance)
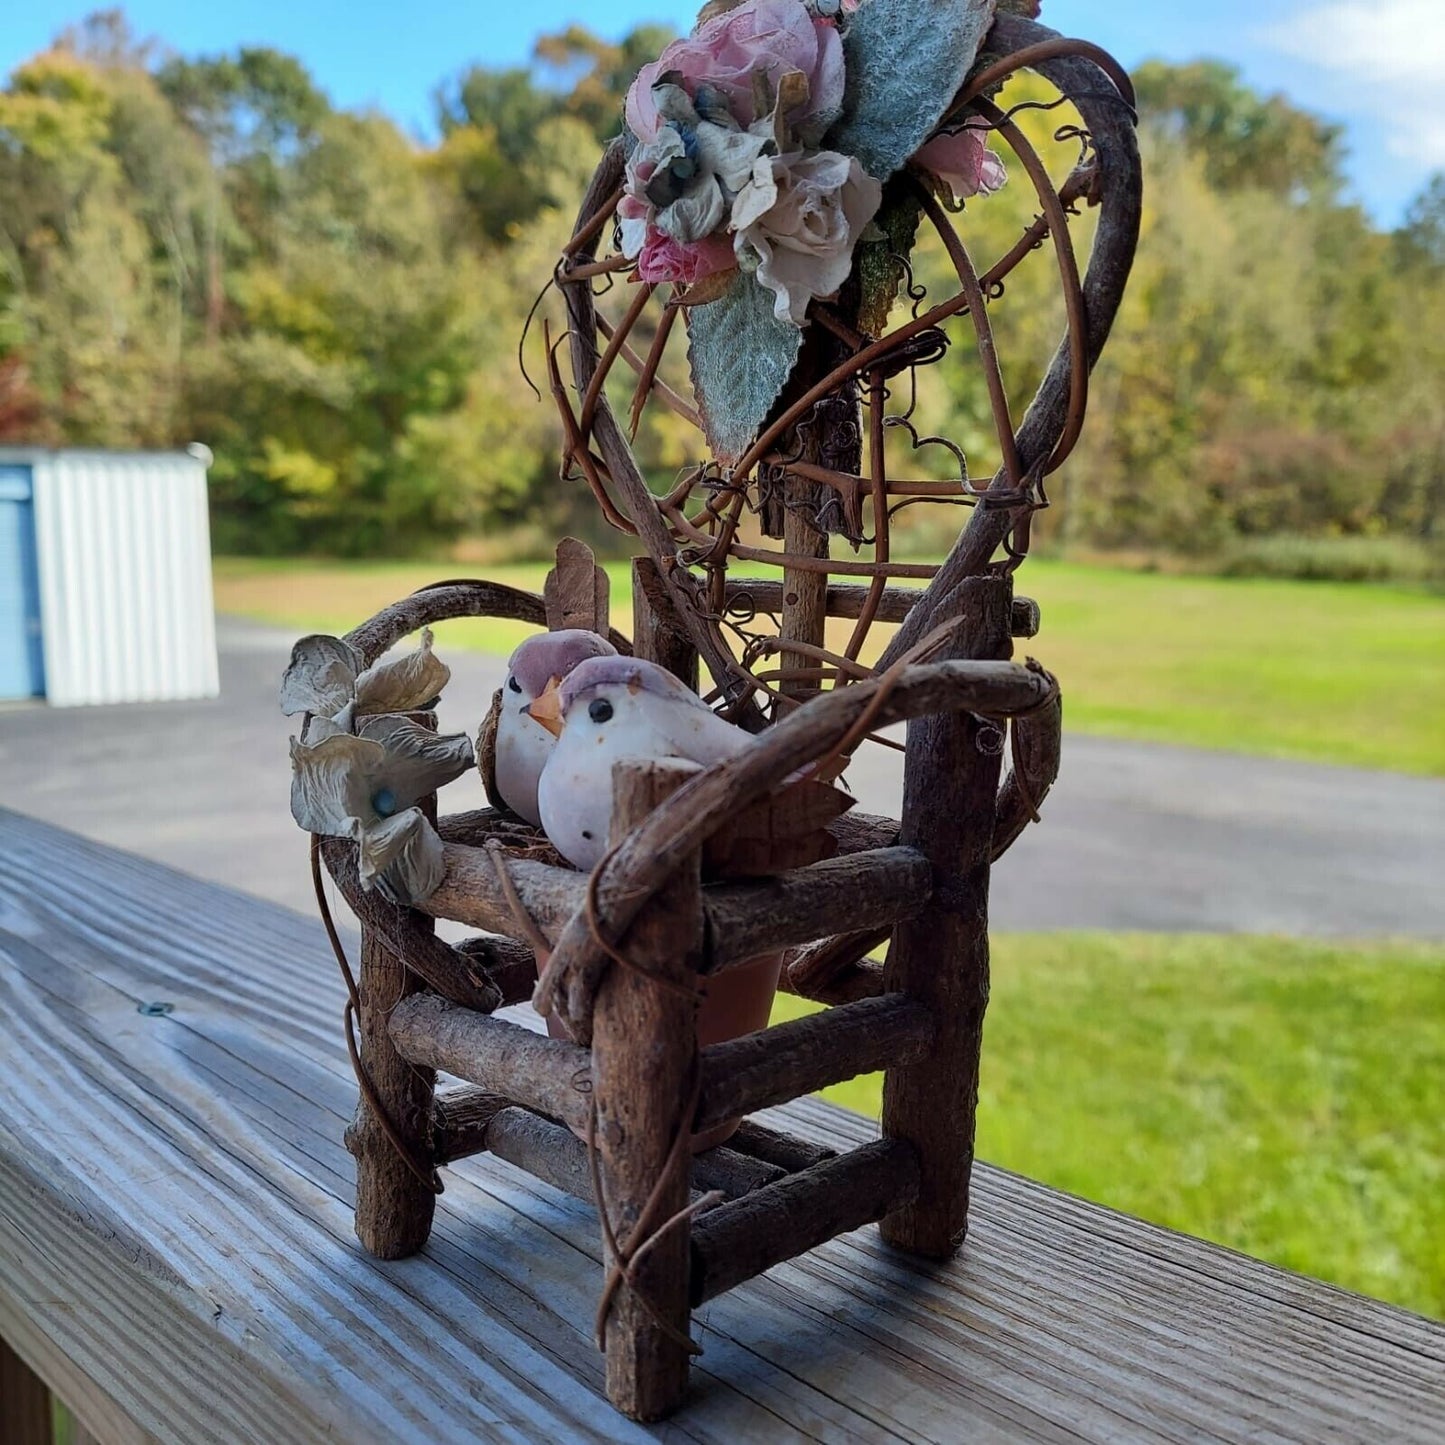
(394, 1206)
(644, 1065)
(394, 1201)
(940, 957)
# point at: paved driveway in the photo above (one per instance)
(1136, 836)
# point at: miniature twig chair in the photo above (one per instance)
(608, 1116)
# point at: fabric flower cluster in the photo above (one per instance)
(362, 766)
(731, 169)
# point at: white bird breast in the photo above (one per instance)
(523, 748)
(575, 795)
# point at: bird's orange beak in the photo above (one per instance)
(547, 708)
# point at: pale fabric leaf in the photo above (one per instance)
(741, 357)
(321, 677)
(332, 783)
(906, 60)
(417, 760)
(405, 685)
(401, 858)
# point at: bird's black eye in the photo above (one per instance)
(514, 684)
(599, 710)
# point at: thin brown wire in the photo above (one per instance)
(576, 448)
(887, 681)
(625, 1259)
(1074, 304)
(878, 467)
(427, 1175)
(595, 223)
(1032, 55)
(664, 392)
(618, 339)
(982, 327)
(541, 944)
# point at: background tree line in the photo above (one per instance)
(207, 249)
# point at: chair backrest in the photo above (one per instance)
(816, 467)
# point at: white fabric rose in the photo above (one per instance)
(798, 218)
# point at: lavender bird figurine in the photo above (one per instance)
(519, 746)
(611, 708)
(607, 709)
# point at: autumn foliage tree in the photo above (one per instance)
(205, 248)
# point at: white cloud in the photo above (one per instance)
(1388, 57)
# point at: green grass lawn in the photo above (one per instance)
(1338, 673)
(1281, 1097)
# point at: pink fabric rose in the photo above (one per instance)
(767, 37)
(663, 259)
(962, 162)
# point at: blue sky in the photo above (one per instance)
(1376, 65)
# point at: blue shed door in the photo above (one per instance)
(22, 664)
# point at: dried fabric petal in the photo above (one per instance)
(729, 153)
(729, 49)
(961, 163)
(333, 782)
(401, 858)
(320, 728)
(321, 676)
(692, 217)
(679, 184)
(404, 685)
(906, 60)
(663, 259)
(416, 761)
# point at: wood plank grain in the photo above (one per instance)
(94, 1417)
(175, 1208)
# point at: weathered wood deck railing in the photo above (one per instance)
(177, 1260)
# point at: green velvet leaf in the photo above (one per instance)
(906, 61)
(741, 357)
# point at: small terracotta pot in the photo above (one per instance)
(738, 1002)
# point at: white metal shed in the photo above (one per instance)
(105, 576)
